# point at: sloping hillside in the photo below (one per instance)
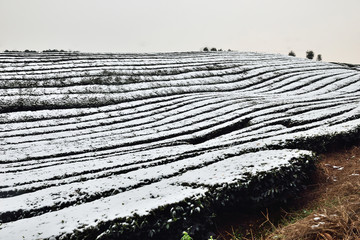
(103, 145)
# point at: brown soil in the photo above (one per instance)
(329, 208)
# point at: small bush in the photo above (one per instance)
(309, 54)
(319, 57)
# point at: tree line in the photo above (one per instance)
(44, 51)
(309, 55)
(213, 49)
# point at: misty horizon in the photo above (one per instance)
(328, 28)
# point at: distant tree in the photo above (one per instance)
(6, 50)
(205, 49)
(291, 53)
(213, 49)
(319, 57)
(229, 50)
(309, 54)
(220, 50)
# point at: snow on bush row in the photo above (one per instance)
(139, 200)
(159, 142)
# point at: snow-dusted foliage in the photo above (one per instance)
(93, 145)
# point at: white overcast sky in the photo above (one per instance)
(328, 27)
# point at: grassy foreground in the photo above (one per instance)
(328, 209)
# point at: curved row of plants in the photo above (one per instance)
(173, 145)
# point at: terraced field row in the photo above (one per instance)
(109, 145)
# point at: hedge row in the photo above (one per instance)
(196, 214)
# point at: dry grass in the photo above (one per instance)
(337, 222)
(337, 201)
(328, 210)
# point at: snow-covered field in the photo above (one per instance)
(93, 138)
